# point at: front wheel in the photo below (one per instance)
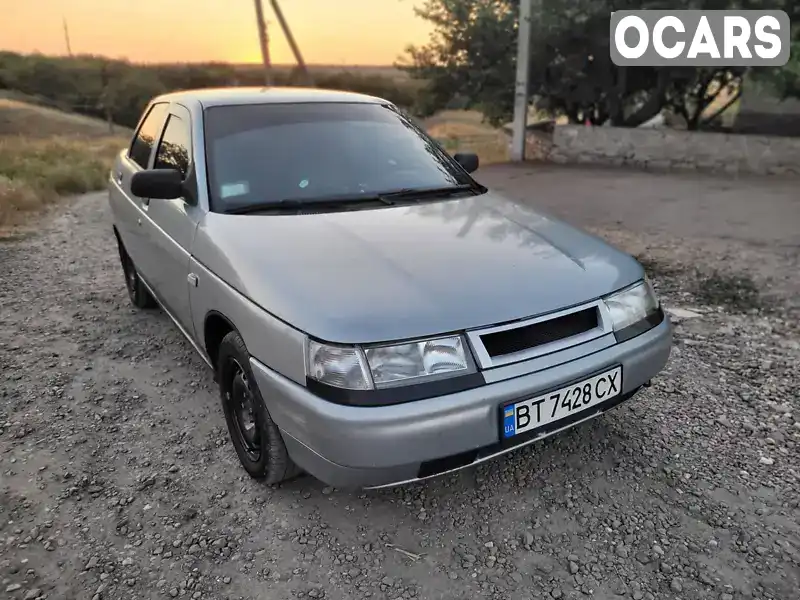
(255, 436)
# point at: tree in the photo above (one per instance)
(789, 77)
(472, 52)
(572, 73)
(471, 55)
(130, 91)
(784, 81)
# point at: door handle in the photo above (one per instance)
(119, 176)
(139, 222)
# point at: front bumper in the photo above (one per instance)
(357, 447)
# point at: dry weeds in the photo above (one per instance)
(46, 154)
(464, 131)
(35, 173)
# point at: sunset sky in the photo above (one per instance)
(367, 32)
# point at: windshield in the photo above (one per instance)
(271, 152)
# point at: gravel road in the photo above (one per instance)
(117, 479)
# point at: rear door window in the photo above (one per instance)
(145, 138)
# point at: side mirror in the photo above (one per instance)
(165, 184)
(467, 160)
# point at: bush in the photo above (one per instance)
(400, 92)
(101, 87)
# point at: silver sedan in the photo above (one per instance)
(373, 315)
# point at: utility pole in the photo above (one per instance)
(66, 37)
(521, 86)
(290, 38)
(264, 42)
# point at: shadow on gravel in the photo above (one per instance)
(735, 292)
(656, 269)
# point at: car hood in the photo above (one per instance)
(410, 271)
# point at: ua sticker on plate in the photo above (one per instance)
(240, 188)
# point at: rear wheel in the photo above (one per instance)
(255, 436)
(137, 292)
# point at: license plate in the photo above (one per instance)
(527, 415)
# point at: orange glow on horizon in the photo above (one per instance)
(340, 32)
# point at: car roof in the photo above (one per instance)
(265, 95)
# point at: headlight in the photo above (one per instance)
(374, 367)
(401, 363)
(633, 310)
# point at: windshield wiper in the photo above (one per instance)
(318, 201)
(388, 198)
(448, 190)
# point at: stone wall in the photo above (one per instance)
(667, 149)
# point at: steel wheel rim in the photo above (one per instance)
(243, 410)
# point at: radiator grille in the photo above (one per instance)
(515, 340)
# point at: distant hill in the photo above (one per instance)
(24, 116)
(384, 70)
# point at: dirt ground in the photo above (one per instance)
(117, 479)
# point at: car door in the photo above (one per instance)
(127, 207)
(172, 223)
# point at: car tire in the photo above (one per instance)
(137, 292)
(255, 436)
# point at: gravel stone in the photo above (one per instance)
(573, 568)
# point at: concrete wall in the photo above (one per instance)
(667, 149)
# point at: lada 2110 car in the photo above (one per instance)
(372, 313)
